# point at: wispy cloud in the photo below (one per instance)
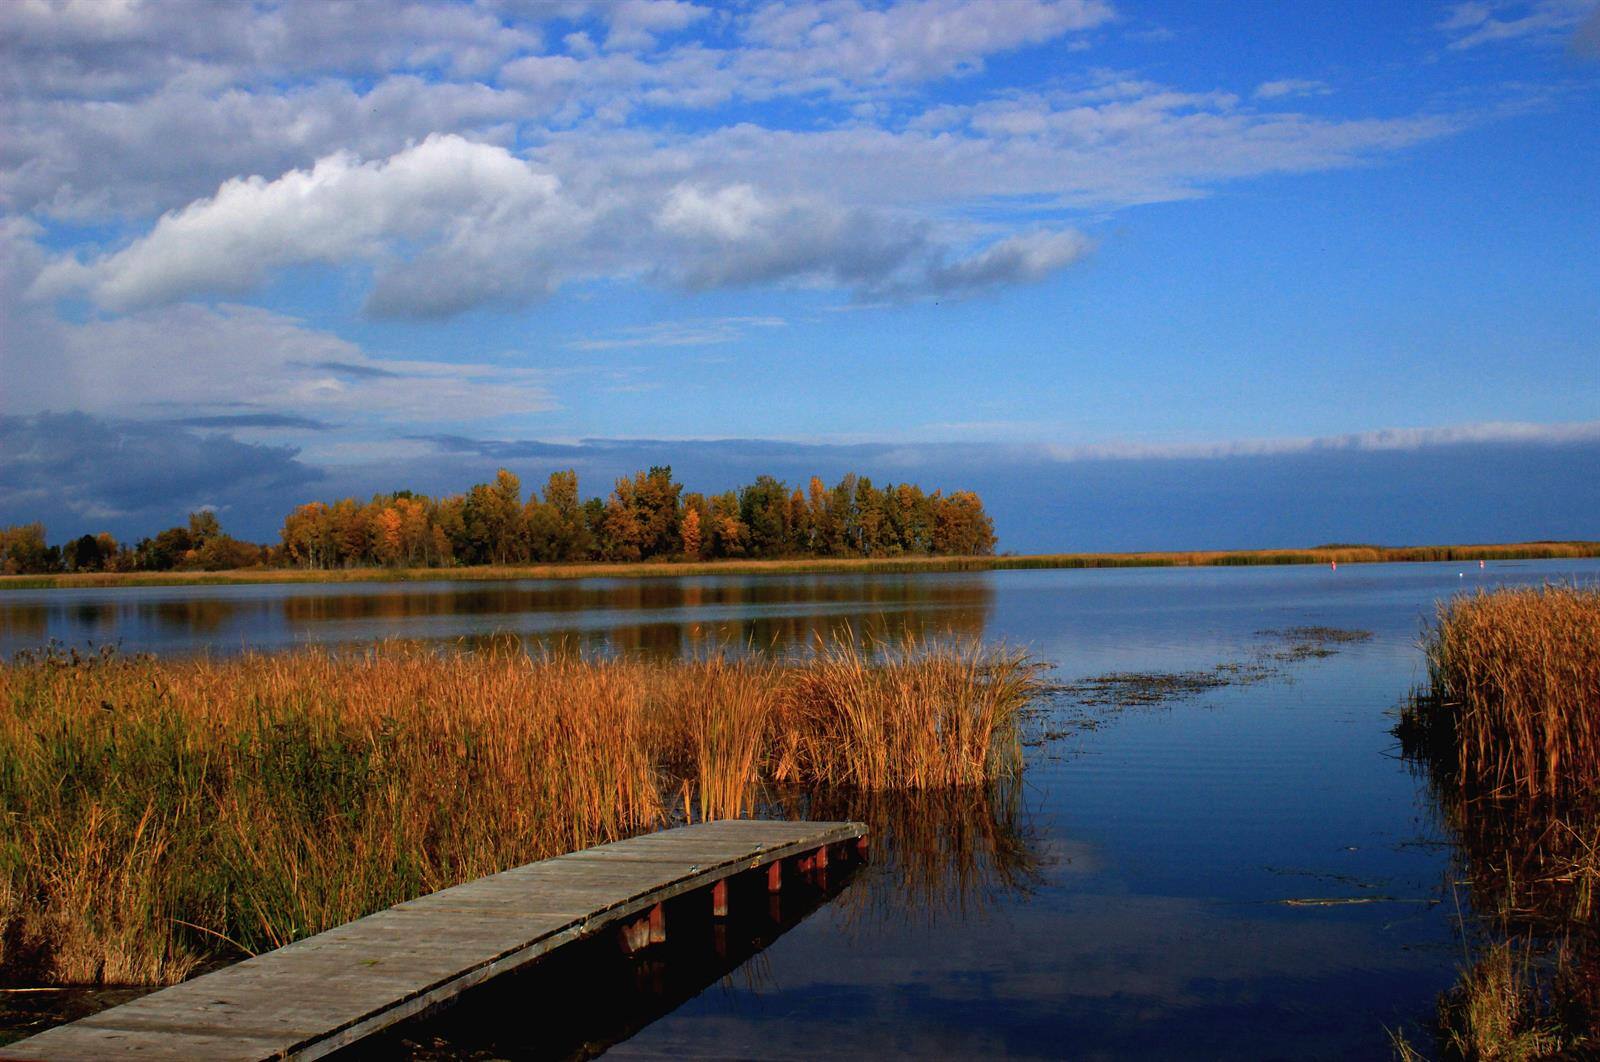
(287, 421)
(1479, 22)
(1384, 439)
(1291, 86)
(206, 362)
(702, 332)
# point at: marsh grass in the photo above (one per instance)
(163, 813)
(1515, 691)
(1508, 733)
(1349, 554)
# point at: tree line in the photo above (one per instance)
(647, 516)
(199, 545)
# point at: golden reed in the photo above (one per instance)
(1516, 676)
(161, 813)
(1351, 554)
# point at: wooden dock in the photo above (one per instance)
(323, 993)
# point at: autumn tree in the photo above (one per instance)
(961, 526)
(655, 500)
(647, 515)
(622, 535)
(388, 544)
(203, 524)
(729, 534)
(691, 534)
(23, 550)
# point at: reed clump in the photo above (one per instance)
(1508, 1006)
(1508, 733)
(903, 718)
(160, 814)
(1515, 690)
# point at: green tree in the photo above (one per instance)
(570, 539)
(764, 509)
(492, 521)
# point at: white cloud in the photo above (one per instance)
(1384, 439)
(1022, 259)
(112, 48)
(112, 158)
(1132, 142)
(636, 24)
(483, 166)
(911, 41)
(1290, 87)
(239, 366)
(696, 333)
(449, 224)
(218, 93)
(1471, 24)
(444, 190)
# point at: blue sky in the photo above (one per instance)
(1147, 275)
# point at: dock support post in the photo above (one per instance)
(862, 847)
(719, 899)
(658, 924)
(635, 935)
(775, 875)
(822, 858)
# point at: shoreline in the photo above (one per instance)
(1550, 550)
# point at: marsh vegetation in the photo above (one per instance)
(162, 814)
(1508, 732)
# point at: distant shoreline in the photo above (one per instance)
(803, 566)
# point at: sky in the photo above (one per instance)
(1145, 275)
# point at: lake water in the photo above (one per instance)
(1156, 885)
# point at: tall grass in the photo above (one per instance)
(1508, 732)
(1515, 678)
(1506, 1007)
(161, 813)
(1351, 554)
(912, 720)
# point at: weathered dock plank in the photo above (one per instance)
(325, 992)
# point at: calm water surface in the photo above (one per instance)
(1128, 900)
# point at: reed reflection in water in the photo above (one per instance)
(663, 618)
(936, 854)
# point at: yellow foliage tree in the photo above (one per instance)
(691, 534)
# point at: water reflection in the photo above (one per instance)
(589, 996)
(936, 854)
(935, 857)
(657, 617)
(1531, 868)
